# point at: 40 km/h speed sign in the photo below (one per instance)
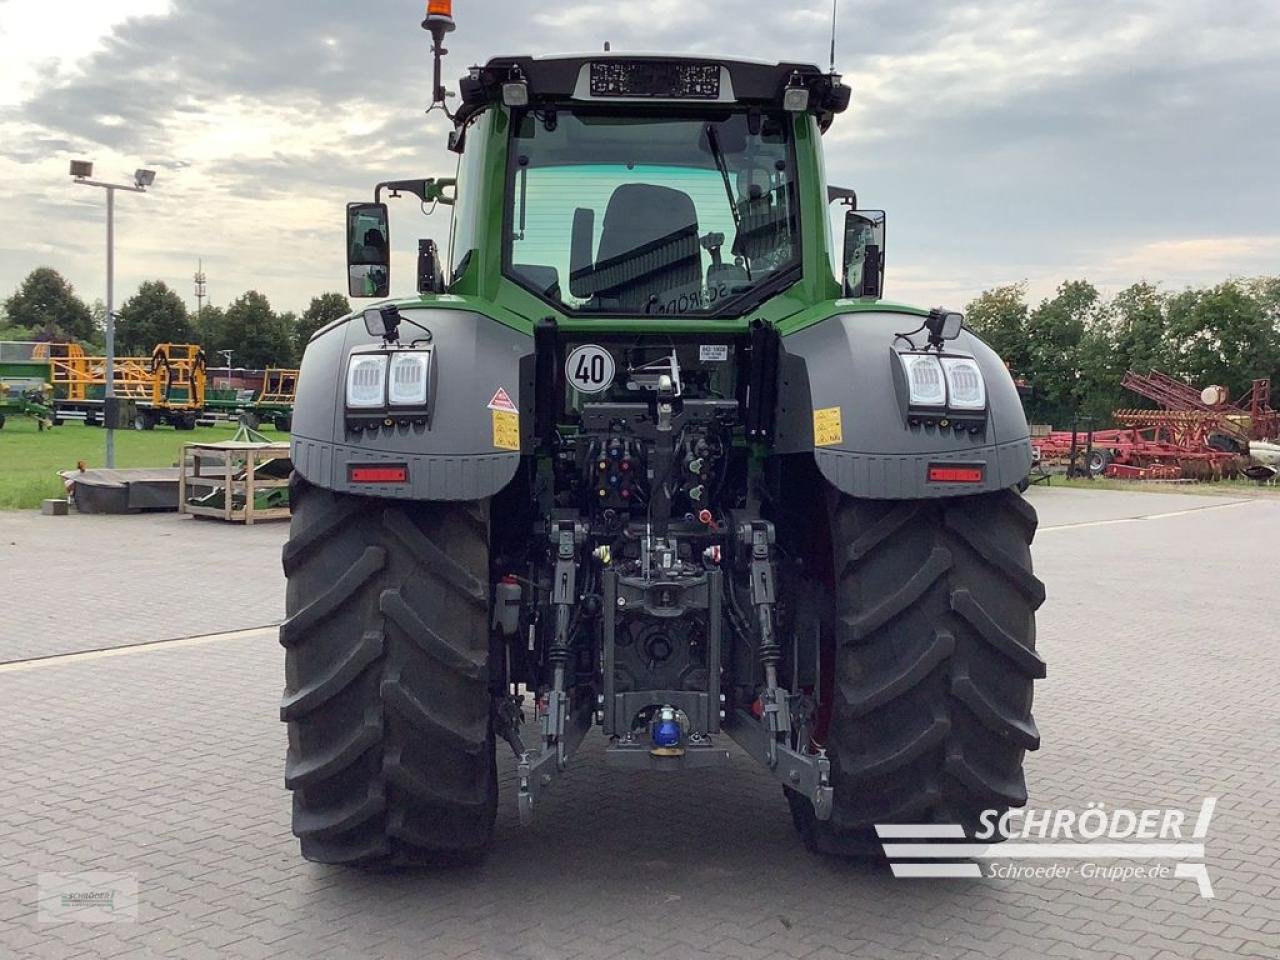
(589, 368)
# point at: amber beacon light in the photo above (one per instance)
(439, 12)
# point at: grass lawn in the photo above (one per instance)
(1239, 486)
(30, 459)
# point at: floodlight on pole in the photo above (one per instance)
(227, 356)
(81, 171)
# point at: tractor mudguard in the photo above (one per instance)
(843, 397)
(469, 446)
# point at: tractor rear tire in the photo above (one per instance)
(934, 662)
(391, 744)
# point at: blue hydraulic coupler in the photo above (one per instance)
(666, 734)
(666, 730)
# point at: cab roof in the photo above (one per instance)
(638, 80)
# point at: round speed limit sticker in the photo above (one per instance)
(589, 368)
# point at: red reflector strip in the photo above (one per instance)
(955, 474)
(391, 474)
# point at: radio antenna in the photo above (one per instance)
(833, 35)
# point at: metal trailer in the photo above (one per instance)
(272, 404)
(166, 387)
(24, 381)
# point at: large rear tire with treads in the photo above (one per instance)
(934, 660)
(391, 747)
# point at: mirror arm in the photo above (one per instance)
(846, 195)
(419, 188)
(428, 191)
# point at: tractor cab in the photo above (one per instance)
(607, 185)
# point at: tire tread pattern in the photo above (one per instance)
(391, 752)
(934, 664)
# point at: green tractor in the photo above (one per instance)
(638, 457)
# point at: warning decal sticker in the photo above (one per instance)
(827, 430)
(506, 430)
(502, 401)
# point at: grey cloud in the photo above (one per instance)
(1174, 138)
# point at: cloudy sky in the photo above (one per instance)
(1009, 140)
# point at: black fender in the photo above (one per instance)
(846, 363)
(453, 456)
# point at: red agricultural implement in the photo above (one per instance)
(1196, 434)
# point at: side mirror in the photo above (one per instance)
(864, 253)
(368, 250)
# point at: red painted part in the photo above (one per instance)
(391, 474)
(1177, 437)
(1250, 418)
(941, 474)
(1127, 444)
(1157, 471)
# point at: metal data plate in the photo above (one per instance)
(665, 79)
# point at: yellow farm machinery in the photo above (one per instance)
(166, 387)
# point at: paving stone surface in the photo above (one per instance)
(165, 763)
(87, 582)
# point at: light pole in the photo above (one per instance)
(82, 170)
(226, 355)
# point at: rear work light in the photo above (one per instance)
(965, 387)
(955, 472)
(367, 381)
(383, 473)
(408, 379)
(926, 386)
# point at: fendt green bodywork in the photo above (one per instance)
(638, 452)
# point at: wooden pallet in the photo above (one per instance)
(233, 466)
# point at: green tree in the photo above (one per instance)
(46, 305)
(1140, 329)
(322, 310)
(1266, 291)
(1224, 335)
(98, 317)
(208, 325)
(155, 314)
(255, 332)
(289, 323)
(999, 316)
(1057, 330)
